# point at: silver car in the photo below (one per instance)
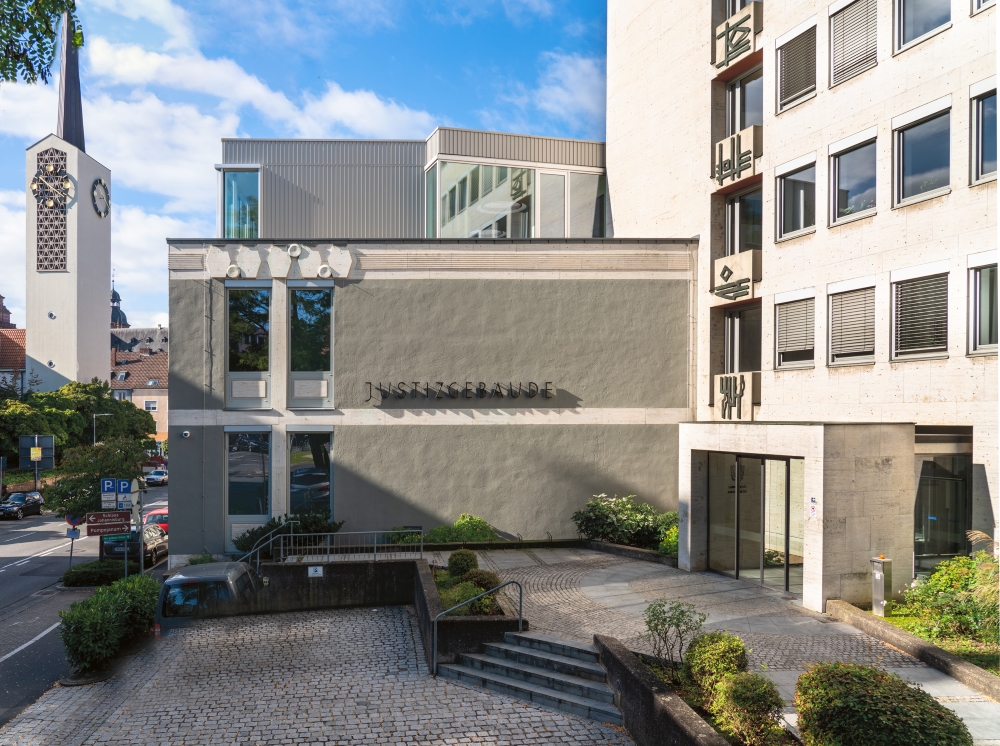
(199, 591)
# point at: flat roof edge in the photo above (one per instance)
(444, 241)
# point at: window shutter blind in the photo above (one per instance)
(854, 40)
(798, 67)
(921, 323)
(796, 325)
(852, 323)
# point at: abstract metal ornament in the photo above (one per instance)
(52, 197)
(731, 388)
(733, 167)
(737, 40)
(101, 196)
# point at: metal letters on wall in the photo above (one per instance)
(731, 388)
(50, 221)
(455, 390)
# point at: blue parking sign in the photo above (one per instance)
(108, 485)
(124, 486)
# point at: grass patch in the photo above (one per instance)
(986, 655)
(18, 476)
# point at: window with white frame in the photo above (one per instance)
(795, 333)
(984, 309)
(917, 18)
(923, 157)
(797, 201)
(852, 327)
(123, 395)
(980, 4)
(984, 123)
(853, 40)
(241, 204)
(150, 405)
(852, 174)
(796, 68)
(920, 316)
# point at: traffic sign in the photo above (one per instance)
(26, 452)
(36, 453)
(124, 486)
(72, 533)
(109, 484)
(108, 524)
(109, 500)
(73, 520)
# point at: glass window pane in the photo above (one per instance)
(552, 206)
(485, 200)
(750, 480)
(749, 332)
(856, 181)
(798, 200)
(249, 319)
(310, 329)
(240, 209)
(722, 512)
(310, 486)
(248, 473)
(988, 135)
(922, 16)
(431, 217)
(586, 204)
(987, 321)
(926, 156)
(750, 221)
(752, 100)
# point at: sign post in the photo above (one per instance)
(3, 468)
(36, 458)
(111, 523)
(36, 452)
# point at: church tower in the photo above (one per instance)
(68, 244)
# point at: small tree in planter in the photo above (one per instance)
(669, 629)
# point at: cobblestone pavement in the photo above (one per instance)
(332, 677)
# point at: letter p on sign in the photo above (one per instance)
(107, 485)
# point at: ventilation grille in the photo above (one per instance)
(187, 260)
(798, 67)
(852, 324)
(921, 323)
(854, 40)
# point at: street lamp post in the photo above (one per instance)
(96, 415)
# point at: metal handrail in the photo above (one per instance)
(520, 616)
(270, 538)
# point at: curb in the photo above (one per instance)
(635, 553)
(969, 674)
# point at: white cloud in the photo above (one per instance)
(161, 13)
(361, 113)
(12, 260)
(573, 89)
(29, 111)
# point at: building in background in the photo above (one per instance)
(838, 161)
(12, 372)
(5, 316)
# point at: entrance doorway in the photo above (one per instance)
(755, 518)
(942, 513)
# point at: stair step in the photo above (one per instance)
(552, 644)
(561, 682)
(548, 661)
(575, 705)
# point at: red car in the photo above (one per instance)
(159, 517)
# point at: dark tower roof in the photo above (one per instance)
(70, 126)
(118, 318)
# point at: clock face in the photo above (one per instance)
(101, 195)
(52, 187)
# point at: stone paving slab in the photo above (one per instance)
(335, 677)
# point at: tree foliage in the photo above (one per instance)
(79, 491)
(29, 35)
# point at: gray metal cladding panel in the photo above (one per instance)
(197, 486)
(342, 201)
(198, 309)
(324, 152)
(602, 343)
(525, 480)
(474, 144)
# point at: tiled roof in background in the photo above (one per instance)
(12, 349)
(133, 338)
(139, 369)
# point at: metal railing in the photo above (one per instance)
(520, 616)
(356, 546)
(264, 542)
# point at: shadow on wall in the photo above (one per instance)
(983, 518)
(484, 396)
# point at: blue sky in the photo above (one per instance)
(164, 81)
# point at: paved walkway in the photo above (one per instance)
(325, 677)
(578, 592)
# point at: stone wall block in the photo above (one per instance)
(873, 473)
(278, 261)
(218, 261)
(248, 260)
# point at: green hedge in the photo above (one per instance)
(99, 572)
(712, 656)
(748, 706)
(842, 704)
(622, 520)
(95, 630)
(467, 528)
(463, 592)
(201, 559)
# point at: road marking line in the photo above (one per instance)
(40, 554)
(29, 642)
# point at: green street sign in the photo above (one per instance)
(116, 536)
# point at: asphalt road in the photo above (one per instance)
(34, 553)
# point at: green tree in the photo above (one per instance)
(79, 492)
(28, 37)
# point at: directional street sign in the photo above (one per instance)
(108, 524)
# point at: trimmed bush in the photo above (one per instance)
(99, 572)
(960, 598)
(842, 704)
(463, 592)
(202, 559)
(622, 520)
(485, 579)
(668, 544)
(93, 631)
(467, 528)
(461, 561)
(711, 656)
(748, 706)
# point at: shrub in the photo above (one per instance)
(467, 528)
(622, 520)
(669, 628)
(93, 631)
(841, 704)
(100, 572)
(308, 523)
(712, 656)
(668, 544)
(461, 561)
(201, 559)
(748, 706)
(463, 592)
(246, 541)
(485, 579)
(960, 597)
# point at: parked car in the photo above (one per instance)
(199, 591)
(157, 477)
(19, 504)
(156, 546)
(159, 518)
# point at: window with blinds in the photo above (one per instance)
(921, 316)
(797, 68)
(853, 40)
(852, 326)
(795, 335)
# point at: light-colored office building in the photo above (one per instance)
(838, 162)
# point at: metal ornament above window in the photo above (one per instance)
(736, 156)
(737, 37)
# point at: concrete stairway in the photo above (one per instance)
(547, 670)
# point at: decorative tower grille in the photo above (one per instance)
(51, 221)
